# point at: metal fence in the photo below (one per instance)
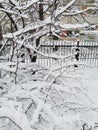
(88, 53)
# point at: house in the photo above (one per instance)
(89, 15)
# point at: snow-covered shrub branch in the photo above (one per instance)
(43, 97)
(18, 118)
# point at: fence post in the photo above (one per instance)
(77, 53)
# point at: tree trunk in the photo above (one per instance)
(0, 37)
(0, 33)
(0, 41)
(41, 17)
(34, 56)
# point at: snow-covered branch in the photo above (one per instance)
(59, 12)
(18, 118)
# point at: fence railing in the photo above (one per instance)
(88, 52)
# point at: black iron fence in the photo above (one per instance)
(88, 53)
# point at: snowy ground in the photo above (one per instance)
(64, 99)
(91, 82)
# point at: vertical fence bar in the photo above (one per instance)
(88, 52)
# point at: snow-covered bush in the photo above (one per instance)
(33, 96)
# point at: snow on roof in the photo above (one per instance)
(73, 26)
(90, 32)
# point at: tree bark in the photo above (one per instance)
(41, 17)
(0, 33)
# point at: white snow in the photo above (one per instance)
(30, 3)
(92, 84)
(76, 86)
(73, 26)
(94, 32)
(43, 97)
(58, 12)
(18, 118)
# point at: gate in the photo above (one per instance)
(88, 53)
